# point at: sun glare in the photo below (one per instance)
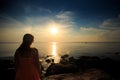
(54, 30)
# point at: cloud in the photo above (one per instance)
(64, 15)
(33, 10)
(99, 34)
(7, 21)
(91, 31)
(112, 35)
(113, 23)
(64, 21)
(63, 18)
(66, 18)
(112, 29)
(37, 25)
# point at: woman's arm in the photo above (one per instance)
(37, 62)
(16, 62)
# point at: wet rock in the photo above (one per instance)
(91, 74)
(60, 68)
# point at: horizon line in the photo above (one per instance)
(70, 42)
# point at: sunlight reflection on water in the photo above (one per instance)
(58, 49)
(56, 57)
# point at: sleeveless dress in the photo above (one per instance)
(27, 69)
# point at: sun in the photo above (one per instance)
(54, 31)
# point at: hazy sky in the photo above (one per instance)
(76, 20)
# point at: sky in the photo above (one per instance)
(75, 20)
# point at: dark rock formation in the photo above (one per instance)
(91, 74)
(59, 68)
(110, 66)
(82, 68)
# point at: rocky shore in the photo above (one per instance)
(69, 68)
(84, 68)
(91, 74)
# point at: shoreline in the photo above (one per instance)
(112, 55)
(83, 63)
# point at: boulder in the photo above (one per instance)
(60, 68)
(91, 74)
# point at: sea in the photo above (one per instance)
(57, 49)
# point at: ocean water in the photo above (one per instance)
(57, 49)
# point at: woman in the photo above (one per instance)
(27, 60)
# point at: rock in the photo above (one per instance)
(60, 68)
(67, 76)
(91, 74)
(95, 74)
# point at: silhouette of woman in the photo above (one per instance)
(27, 60)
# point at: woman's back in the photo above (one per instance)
(26, 61)
(26, 69)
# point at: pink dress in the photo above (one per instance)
(27, 69)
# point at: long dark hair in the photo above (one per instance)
(27, 41)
